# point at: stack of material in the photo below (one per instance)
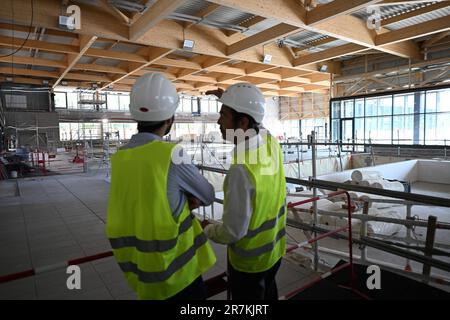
(359, 175)
(375, 180)
(377, 209)
(384, 184)
(373, 227)
(384, 228)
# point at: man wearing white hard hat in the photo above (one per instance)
(254, 212)
(157, 241)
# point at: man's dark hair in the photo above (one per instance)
(152, 126)
(237, 116)
(147, 126)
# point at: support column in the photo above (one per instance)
(416, 138)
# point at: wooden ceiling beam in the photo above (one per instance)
(414, 13)
(85, 43)
(336, 8)
(155, 14)
(262, 38)
(204, 13)
(414, 31)
(153, 55)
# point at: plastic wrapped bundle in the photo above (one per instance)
(387, 185)
(359, 175)
(394, 185)
(384, 228)
(366, 198)
(368, 182)
(378, 185)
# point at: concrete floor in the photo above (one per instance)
(47, 220)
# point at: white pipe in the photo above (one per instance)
(359, 175)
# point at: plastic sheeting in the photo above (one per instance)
(323, 166)
(388, 185)
(373, 227)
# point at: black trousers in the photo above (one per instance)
(254, 286)
(195, 291)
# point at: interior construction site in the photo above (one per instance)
(358, 100)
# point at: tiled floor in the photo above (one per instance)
(55, 219)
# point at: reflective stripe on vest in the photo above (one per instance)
(260, 250)
(177, 263)
(270, 224)
(151, 245)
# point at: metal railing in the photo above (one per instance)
(408, 199)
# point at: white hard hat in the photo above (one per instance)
(153, 98)
(245, 98)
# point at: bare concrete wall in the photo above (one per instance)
(434, 171)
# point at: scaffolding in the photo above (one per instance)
(91, 100)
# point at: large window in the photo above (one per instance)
(438, 101)
(378, 129)
(72, 100)
(318, 125)
(359, 130)
(208, 105)
(60, 100)
(124, 102)
(413, 117)
(304, 127)
(347, 110)
(120, 130)
(79, 131)
(291, 129)
(403, 129)
(437, 129)
(187, 131)
(93, 130)
(404, 104)
(118, 101)
(76, 99)
(379, 106)
(113, 102)
(185, 104)
(359, 108)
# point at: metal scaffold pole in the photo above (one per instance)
(315, 220)
(203, 173)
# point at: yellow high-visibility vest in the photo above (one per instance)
(160, 255)
(265, 241)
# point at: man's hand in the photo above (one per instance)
(204, 223)
(218, 93)
(193, 202)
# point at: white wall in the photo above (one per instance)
(434, 171)
(404, 171)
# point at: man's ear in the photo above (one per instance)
(170, 121)
(243, 123)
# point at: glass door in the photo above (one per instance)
(347, 133)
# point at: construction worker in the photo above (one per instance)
(254, 212)
(158, 243)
